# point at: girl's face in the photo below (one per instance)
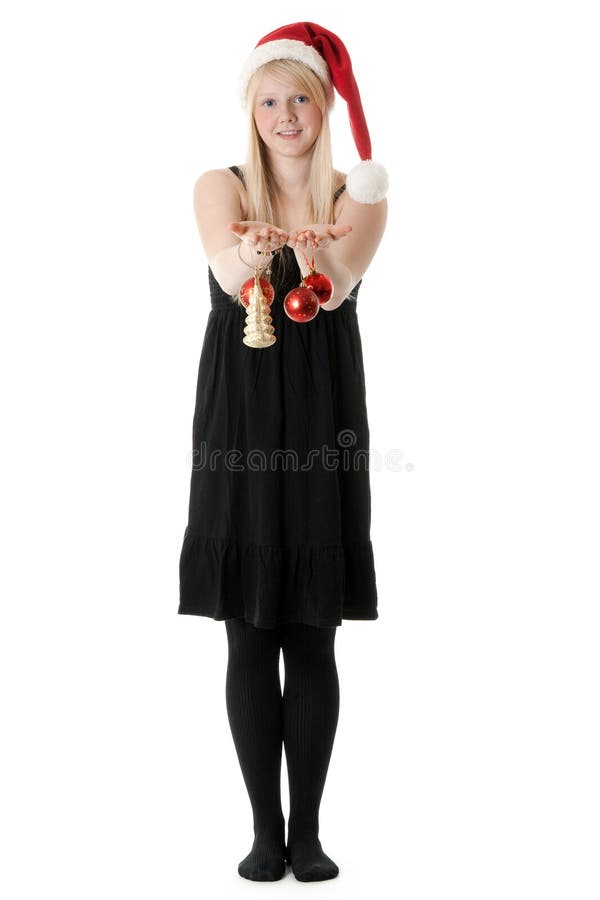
(287, 119)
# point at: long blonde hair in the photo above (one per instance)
(260, 185)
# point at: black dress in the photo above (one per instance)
(280, 504)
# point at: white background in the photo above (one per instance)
(466, 757)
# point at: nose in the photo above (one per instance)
(287, 115)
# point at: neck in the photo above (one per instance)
(291, 177)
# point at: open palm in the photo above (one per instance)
(313, 236)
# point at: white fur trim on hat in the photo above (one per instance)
(286, 49)
(367, 182)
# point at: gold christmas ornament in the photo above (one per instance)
(259, 332)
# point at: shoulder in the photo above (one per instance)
(219, 186)
(215, 179)
(365, 218)
(218, 193)
(344, 202)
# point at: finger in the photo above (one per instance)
(275, 238)
(270, 238)
(338, 231)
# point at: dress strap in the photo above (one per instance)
(338, 192)
(238, 172)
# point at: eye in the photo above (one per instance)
(301, 97)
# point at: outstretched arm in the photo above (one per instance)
(344, 261)
(217, 209)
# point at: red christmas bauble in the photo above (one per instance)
(320, 284)
(266, 287)
(301, 304)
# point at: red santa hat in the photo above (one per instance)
(324, 53)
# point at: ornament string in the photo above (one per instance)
(311, 265)
(255, 266)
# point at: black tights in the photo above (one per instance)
(303, 720)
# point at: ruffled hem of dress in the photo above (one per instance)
(270, 585)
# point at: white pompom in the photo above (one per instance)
(367, 182)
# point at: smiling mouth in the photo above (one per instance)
(295, 131)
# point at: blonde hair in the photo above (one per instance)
(260, 185)
(258, 177)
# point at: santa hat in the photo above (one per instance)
(324, 53)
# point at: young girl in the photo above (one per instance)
(278, 538)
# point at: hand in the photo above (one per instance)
(260, 236)
(314, 237)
